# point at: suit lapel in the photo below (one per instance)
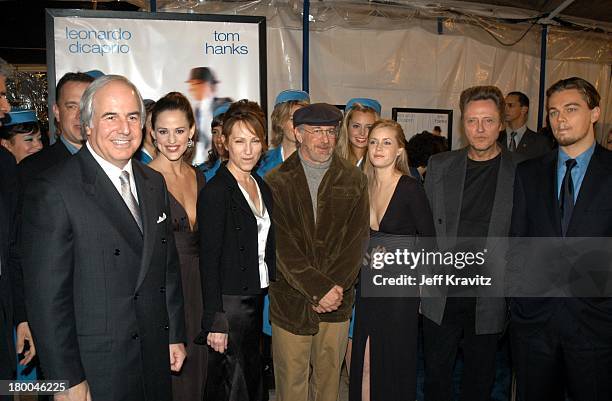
(550, 190)
(453, 191)
(591, 186)
(265, 194)
(502, 139)
(499, 223)
(103, 193)
(526, 141)
(149, 210)
(237, 195)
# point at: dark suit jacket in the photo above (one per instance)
(104, 300)
(444, 187)
(531, 145)
(35, 164)
(11, 278)
(229, 262)
(536, 214)
(312, 256)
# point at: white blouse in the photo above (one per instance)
(263, 226)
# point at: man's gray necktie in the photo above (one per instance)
(512, 146)
(128, 197)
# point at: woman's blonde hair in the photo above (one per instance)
(343, 147)
(401, 162)
(280, 115)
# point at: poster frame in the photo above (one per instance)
(51, 14)
(395, 111)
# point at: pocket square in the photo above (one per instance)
(161, 218)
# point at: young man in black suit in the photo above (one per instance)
(563, 344)
(517, 137)
(101, 269)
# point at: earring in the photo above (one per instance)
(155, 143)
(190, 143)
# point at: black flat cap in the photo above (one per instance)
(202, 74)
(317, 114)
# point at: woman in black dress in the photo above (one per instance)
(236, 260)
(383, 367)
(173, 128)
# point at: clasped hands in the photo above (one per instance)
(331, 301)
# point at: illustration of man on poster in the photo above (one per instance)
(203, 87)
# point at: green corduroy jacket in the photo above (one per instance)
(313, 257)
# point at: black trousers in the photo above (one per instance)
(559, 357)
(441, 343)
(236, 375)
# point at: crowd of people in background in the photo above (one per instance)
(160, 251)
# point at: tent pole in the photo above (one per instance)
(549, 18)
(542, 75)
(305, 46)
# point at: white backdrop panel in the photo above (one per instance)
(413, 67)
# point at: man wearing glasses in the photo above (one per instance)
(321, 212)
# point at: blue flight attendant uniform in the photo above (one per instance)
(210, 172)
(143, 156)
(271, 159)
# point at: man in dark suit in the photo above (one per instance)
(563, 344)
(68, 93)
(470, 194)
(103, 288)
(517, 137)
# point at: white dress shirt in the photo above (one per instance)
(263, 226)
(519, 135)
(113, 172)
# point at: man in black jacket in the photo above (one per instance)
(103, 286)
(470, 194)
(68, 93)
(563, 344)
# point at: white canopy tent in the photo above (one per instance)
(419, 54)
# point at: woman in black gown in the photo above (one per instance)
(383, 367)
(173, 127)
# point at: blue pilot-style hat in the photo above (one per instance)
(14, 118)
(221, 109)
(291, 95)
(95, 74)
(364, 101)
(19, 116)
